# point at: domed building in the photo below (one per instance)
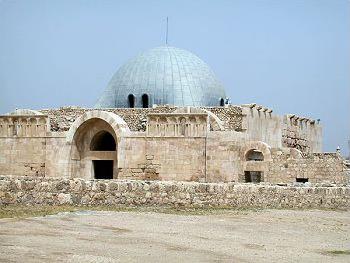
(163, 116)
(163, 75)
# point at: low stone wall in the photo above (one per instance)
(24, 190)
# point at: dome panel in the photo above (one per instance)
(167, 75)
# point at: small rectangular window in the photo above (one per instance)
(302, 180)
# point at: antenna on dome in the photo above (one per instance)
(167, 26)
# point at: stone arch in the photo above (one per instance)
(84, 159)
(254, 156)
(262, 147)
(120, 127)
(214, 121)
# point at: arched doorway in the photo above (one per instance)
(102, 141)
(255, 156)
(94, 138)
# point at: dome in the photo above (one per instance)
(163, 75)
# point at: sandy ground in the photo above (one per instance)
(262, 236)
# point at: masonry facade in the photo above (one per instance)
(246, 143)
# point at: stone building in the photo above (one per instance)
(165, 116)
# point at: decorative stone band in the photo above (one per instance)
(221, 118)
(177, 124)
(45, 191)
(24, 125)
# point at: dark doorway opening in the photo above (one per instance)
(145, 101)
(131, 101)
(253, 177)
(103, 141)
(302, 180)
(103, 169)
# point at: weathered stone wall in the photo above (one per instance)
(317, 167)
(22, 156)
(41, 191)
(162, 158)
(61, 119)
(57, 161)
(136, 118)
(223, 161)
(301, 133)
(216, 158)
(181, 159)
(261, 124)
(231, 116)
(177, 146)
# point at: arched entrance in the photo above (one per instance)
(94, 141)
(255, 154)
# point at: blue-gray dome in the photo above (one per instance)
(163, 75)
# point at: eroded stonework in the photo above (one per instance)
(246, 143)
(136, 118)
(58, 191)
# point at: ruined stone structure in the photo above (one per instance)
(208, 144)
(200, 137)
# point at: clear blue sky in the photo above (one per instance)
(292, 56)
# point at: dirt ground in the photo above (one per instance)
(233, 236)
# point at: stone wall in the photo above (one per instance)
(261, 125)
(136, 118)
(223, 161)
(290, 131)
(316, 167)
(162, 158)
(301, 133)
(23, 156)
(231, 116)
(30, 191)
(57, 155)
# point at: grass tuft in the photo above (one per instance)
(338, 252)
